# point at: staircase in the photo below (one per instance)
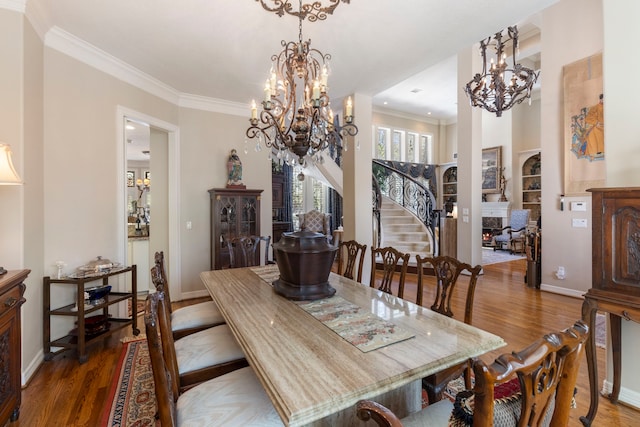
(403, 231)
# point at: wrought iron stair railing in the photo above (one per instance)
(411, 185)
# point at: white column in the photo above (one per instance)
(469, 164)
(356, 169)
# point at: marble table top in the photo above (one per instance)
(311, 372)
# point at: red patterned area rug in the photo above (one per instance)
(132, 400)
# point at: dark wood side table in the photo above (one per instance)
(11, 298)
(80, 339)
(615, 278)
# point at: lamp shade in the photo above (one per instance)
(8, 174)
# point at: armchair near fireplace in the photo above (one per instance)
(508, 237)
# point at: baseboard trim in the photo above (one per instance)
(627, 396)
(194, 294)
(562, 291)
(32, 367)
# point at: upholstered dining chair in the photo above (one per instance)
(316, 221)
(190, 319)
(200, 356)
(543, 375)
(246, 251)
(446, 271)
(351, 259)
(391, 262)
(236, 398)
(503, 238)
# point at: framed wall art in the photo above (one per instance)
(491, 168)
(131, 178)
(584, 159)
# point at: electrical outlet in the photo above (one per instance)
(189, 225)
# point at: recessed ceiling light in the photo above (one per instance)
(385, 102)
(429, 113)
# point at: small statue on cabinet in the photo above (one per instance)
(234, 169)
(503, 186)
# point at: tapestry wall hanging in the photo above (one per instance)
(584, 153)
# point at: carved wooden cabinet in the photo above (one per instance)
(234, 213)
(11, 298)
(615, 276)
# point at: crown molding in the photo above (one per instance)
(71, 45)
(15, 5)
(39, 18)
(215, 105)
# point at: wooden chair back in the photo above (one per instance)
(392, 263)
(246, 251)
(165, 397)
(166, 334)
(546, 370)
(159, 262)
(351, 259)
(447, 270)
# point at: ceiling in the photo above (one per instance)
(221, 49)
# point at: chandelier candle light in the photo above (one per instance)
(499, 88)
(296, 116)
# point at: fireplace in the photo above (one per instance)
(495, 215)
(489, 224)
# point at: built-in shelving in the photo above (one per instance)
(532, 185)
(450, 185)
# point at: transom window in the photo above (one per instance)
(403, 145)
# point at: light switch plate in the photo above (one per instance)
(578, 206)
(579, 222)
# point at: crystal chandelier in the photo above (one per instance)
(296, 116)
(500, 87)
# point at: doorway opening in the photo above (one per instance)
(147, 211)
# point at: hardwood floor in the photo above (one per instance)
(64, 393)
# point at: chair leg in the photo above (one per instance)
(467, 379)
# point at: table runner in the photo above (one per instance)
(361, 328)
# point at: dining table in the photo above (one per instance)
(316, 359)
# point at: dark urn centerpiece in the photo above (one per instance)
(304, 259)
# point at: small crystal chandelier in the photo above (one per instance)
(499, 88)
(296, 117)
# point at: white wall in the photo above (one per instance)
(33, 174)
(11, 125)
(563, 41)
(81, 156)
(207, 138)
(622, 148)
